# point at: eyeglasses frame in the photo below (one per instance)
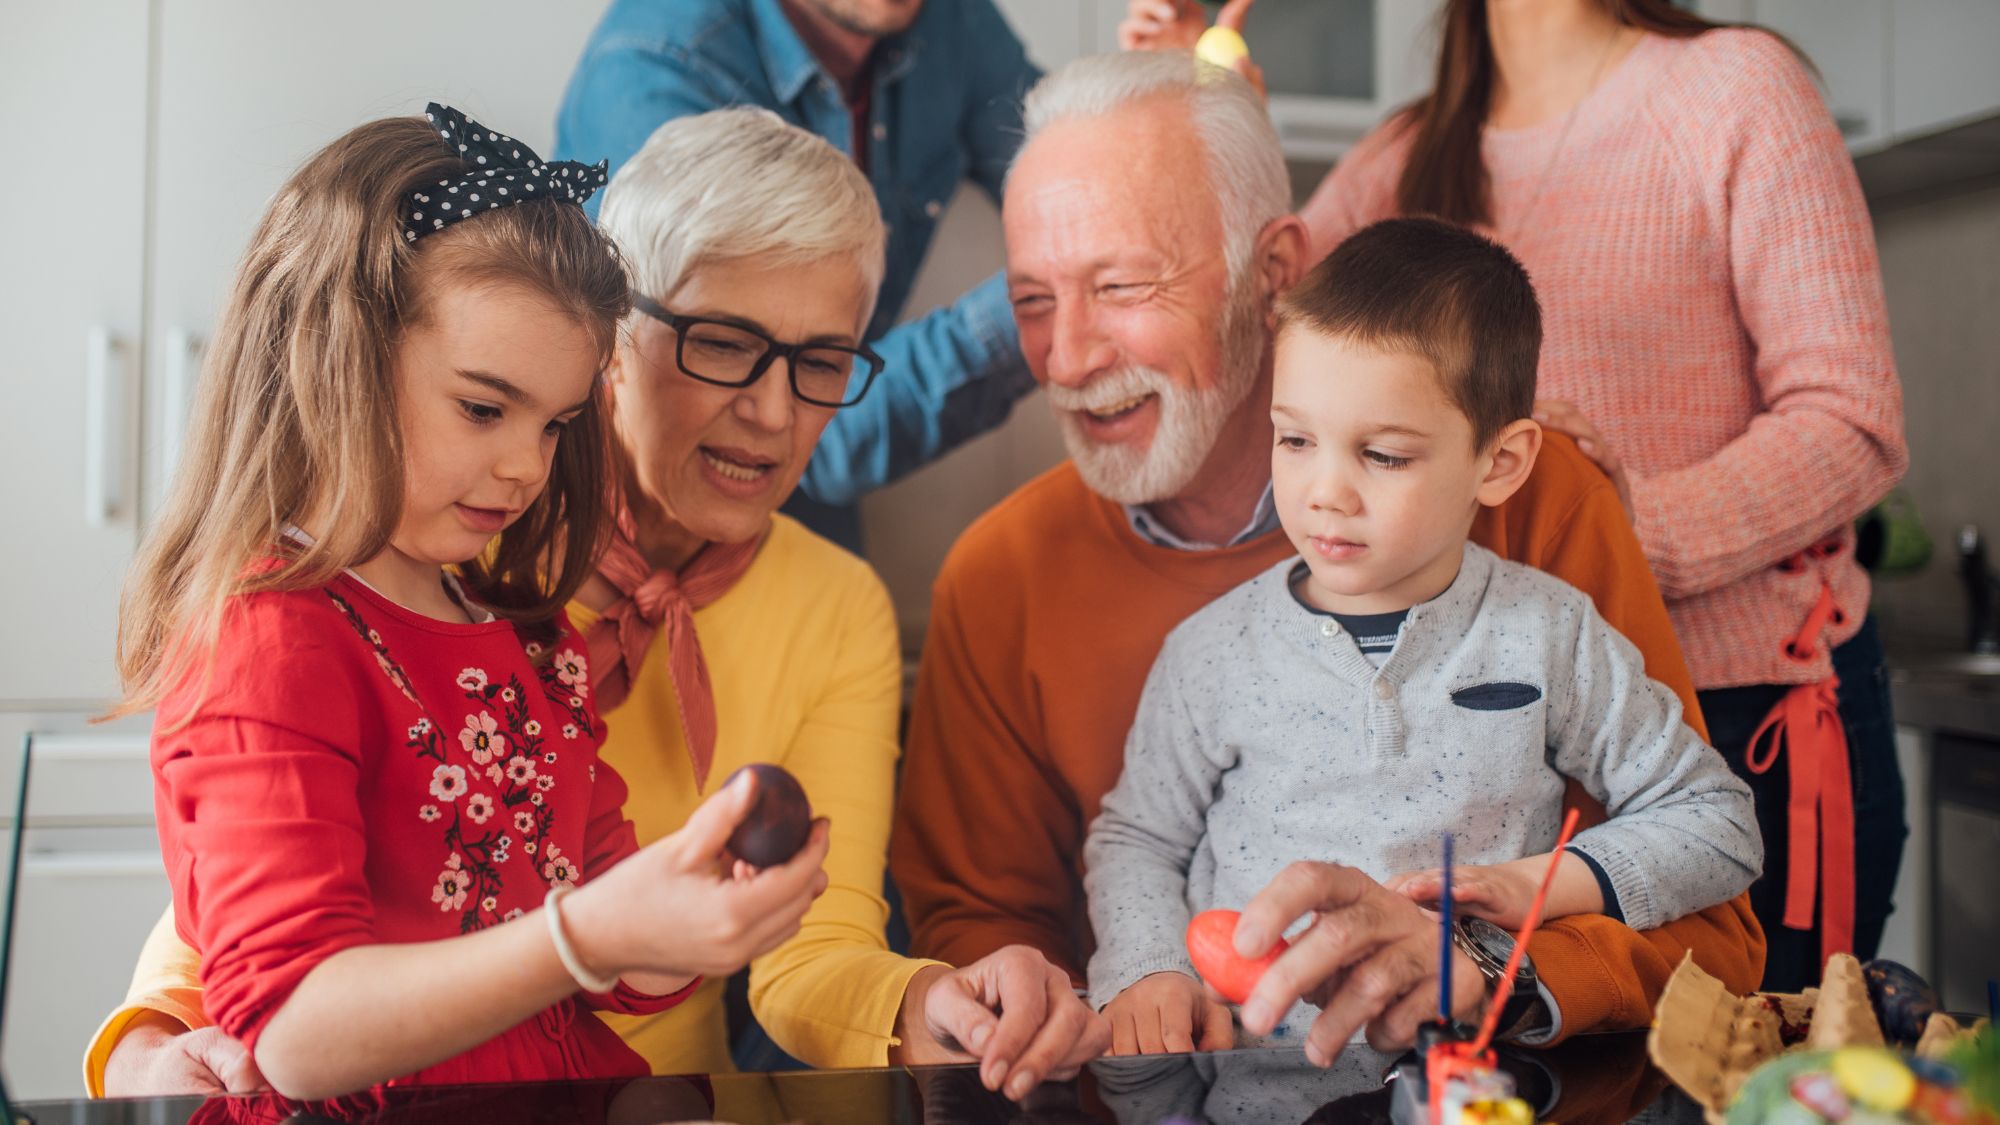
(772, 350)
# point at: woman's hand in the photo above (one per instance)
(1565, 418)
(1012, 1010)
(1161, 25)
(1369, 959)
(156, 1057)
(1163, 1012)
(671, 912)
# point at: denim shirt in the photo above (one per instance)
(945, 106)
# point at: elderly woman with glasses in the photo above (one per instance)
(723, 633)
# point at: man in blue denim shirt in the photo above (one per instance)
(939, 87)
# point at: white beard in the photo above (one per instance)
(1189, 420)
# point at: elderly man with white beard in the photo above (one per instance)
(1148, 232)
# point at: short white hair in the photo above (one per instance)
(1246, 162)
(739, 183)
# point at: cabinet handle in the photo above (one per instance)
(184, 354)
(104, 402)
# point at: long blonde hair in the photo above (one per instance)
(296, 412)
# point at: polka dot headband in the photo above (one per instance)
(499, 170)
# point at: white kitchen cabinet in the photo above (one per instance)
(152, 163)
(1848, 41)
(1336, 68)
(247, 90)
(91, 887)
(72, 243)
(1942, 69)
(1892, 72)
(1053, 31)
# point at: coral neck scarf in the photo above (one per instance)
(650, 599)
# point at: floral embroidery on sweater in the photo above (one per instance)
(566, 681)
(489, 792)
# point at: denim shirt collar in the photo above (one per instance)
(790, 65)
(787, 62)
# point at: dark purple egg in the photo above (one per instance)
(779, 820)
(1903, 1001)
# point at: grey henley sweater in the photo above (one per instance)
(1265, 736)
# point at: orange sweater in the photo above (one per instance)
(1044, 622)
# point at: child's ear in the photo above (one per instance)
(1510, 458)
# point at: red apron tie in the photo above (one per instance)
(1820, 834)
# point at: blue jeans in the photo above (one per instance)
(1733, 714)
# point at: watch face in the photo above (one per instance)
(1497, 945)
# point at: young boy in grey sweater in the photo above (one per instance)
(1397, 681)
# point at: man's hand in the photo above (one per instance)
(1168, 1012)
(1012, 1010)
(1368, 959)
(157, 1057)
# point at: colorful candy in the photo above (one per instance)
(1875, 1078)
(1820, 1093)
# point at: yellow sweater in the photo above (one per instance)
(807, 672)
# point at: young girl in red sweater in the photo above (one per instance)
(375, 755)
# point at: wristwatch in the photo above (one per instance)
(1489, 947)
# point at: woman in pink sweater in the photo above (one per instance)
(1717, 339)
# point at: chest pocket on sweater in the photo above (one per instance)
(1501, 696)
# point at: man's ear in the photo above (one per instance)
(1510, 458)
(1282, 248)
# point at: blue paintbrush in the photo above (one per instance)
(1444, 940)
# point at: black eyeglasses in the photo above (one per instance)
(726, 354)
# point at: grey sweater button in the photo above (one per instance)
(1328, 627)
(1384, 689)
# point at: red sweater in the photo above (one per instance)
(353, 772)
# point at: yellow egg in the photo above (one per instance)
(1221, 46)
(1874, 1077)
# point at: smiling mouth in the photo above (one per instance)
(736, 466)
(1118, 410)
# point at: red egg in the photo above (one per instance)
(779, 820)
(1211, 942)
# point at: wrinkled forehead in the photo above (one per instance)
(1130, 183)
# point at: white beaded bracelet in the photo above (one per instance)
(565, 952)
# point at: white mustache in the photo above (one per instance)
(1110, 389)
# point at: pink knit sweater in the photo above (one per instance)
(1711, 301)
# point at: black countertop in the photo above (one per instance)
(1594, 1080)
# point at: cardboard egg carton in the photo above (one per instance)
(1707, 1040)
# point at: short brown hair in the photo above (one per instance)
(296, 411)
(1442, 292)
